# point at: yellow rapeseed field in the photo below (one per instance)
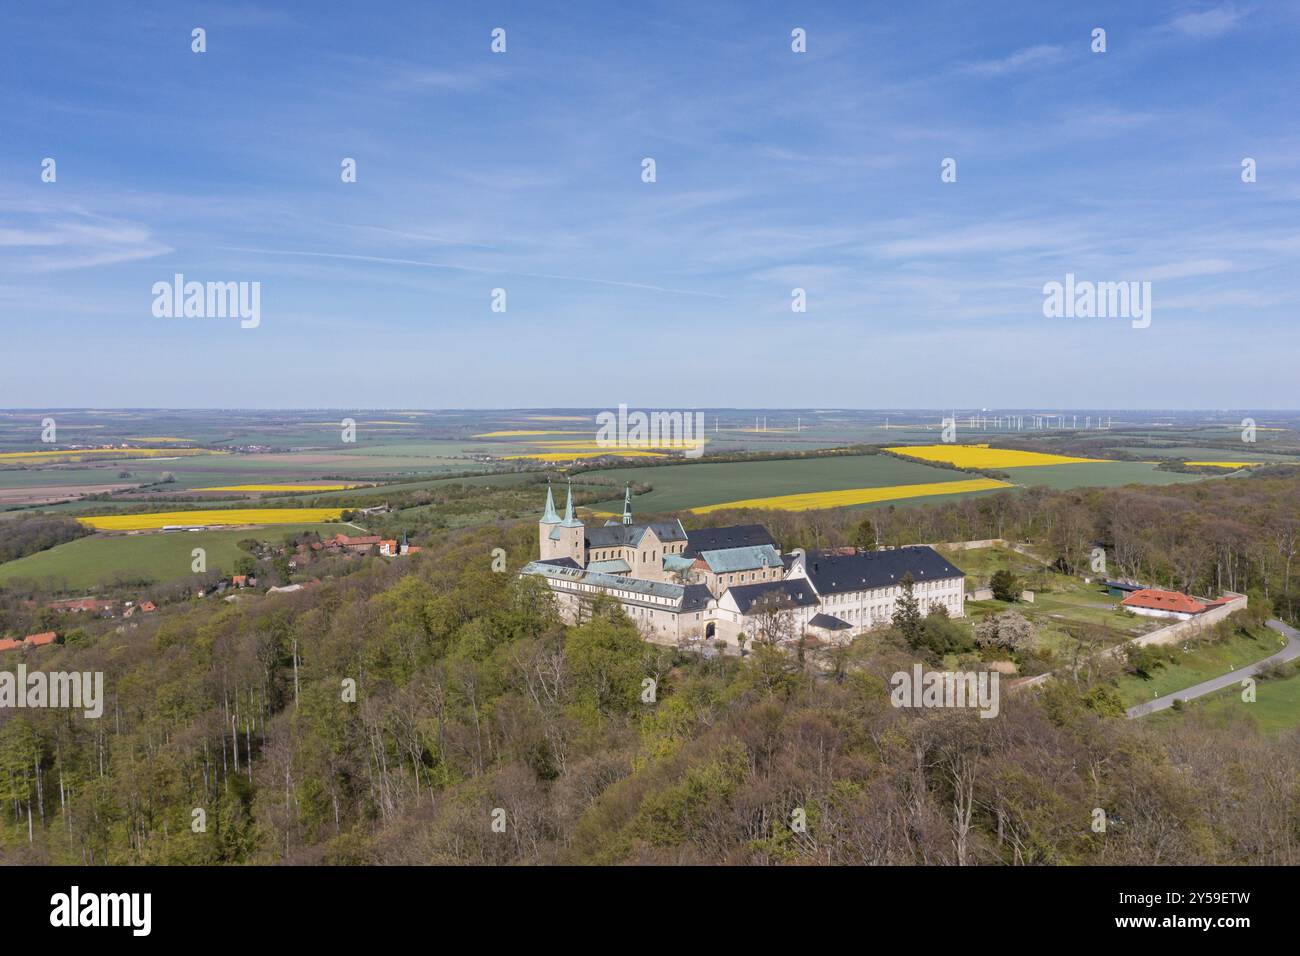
(857, 496)
(238, 516)
(37, 457)
(1224, 464)
(276, 488)
(982, 456)
(522, 433)
(594, 446)
(571, 455)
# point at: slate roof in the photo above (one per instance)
(559, 562)
(673, 592)
(837, 573)
(696, 598)
(629, 535)
(741, 559)
(794, 593)
(1124, 586)
(612, 566)
(720, 539)
(829, 622)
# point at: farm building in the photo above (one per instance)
(1153, 602)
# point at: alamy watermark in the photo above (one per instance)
(923, 688)
(653, 430)
(1098, 300)
(179, 299)
(73, 690)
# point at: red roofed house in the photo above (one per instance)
(8, 644)
(148, 606)
(360, 545)
(1153, 602)
(40, 640)
(79, 605)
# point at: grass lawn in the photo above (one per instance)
(1276, 708)
(982, 563)
(80, 564)
(1063, 606)
(1203, 661)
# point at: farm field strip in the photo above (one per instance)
(114, 454)
(697, 484)
(982, 456)
(575, 455)
(212, 518)
(857, 496)
(274, 487)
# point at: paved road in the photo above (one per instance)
(1290, 652)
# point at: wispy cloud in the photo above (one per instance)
(478, 270)
(73, 239)
(1208, 23)
(1020, 60)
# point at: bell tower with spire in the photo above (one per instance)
(572, 542)
(561, 537)
(546, 545)
(627, 504)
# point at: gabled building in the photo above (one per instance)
(722, 568)
(1154, 602)
(717, 584)
(862, 588)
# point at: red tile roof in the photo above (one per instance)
(1157, 600)
(38, 640)
(8, 644)
(81, 604)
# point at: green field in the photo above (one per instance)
(1102, 474)
(1203, 661)
(1275, 710)
(1201, 453)
(677, 487)
(86, 562)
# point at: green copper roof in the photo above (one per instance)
(549, 516)
(569, 520)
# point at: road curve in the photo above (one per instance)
(1288, 653)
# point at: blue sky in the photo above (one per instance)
(775, 170)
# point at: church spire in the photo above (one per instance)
(549, 516)
(569, 520)
(627, 504)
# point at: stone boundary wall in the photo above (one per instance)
(1177, 631)
(1192, 626)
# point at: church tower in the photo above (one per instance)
(571, 535)
(547, 544)
(627, 504)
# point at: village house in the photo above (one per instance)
(31, 640)
(97, 606)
